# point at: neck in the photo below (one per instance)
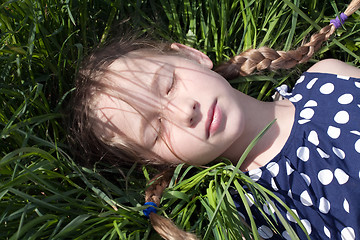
(257, 115)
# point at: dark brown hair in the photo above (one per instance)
(89, 147)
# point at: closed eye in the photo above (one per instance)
(158, 129)
(172, 84)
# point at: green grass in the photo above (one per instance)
(44, 194)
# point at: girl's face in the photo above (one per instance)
(173, 106)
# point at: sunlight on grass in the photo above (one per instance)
(45, 195)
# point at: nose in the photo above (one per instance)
(185, 112)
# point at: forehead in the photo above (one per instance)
(134, 81)
(137, 66)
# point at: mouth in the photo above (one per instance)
(213, 119)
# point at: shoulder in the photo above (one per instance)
(336, 67)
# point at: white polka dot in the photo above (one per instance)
(305, 198)
(296, 98)
(343, 77)
(338, 152)
(324, 205)
(310, 103)
(303, 153)
(357, 146)
(341, 176)
(286, 235)
(289, 169)
(250, 199)
(357, 84)
(342, 117)
(311, 83)
(307, 113)
(307, 225)
(325, 176)
(348, 233)
(290, 193)
(273, 168)
(255, 174)
(266, 209)
(322, 153)
(346, 206)
(333, 132)
(300, 80)
(273, 184)
(303, 121)
(290, 217)
(306, 178)
(265, 232)
(327, 232)
(355, 132)
(313, 138)
(346, 98)
(327, 88)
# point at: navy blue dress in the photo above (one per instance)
(317, 173)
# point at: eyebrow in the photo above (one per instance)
(154, 81)
(144, 121)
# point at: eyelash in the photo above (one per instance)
(173, 80)
(159, 131)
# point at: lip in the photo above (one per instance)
(213, 120)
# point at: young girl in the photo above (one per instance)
(162, 104)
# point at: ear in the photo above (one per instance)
(193, 54)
